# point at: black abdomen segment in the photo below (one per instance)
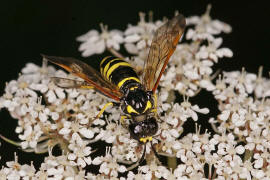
(119, 72)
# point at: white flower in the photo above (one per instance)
(205, 27)
(237, 147)
(15, 170)
(139, 37)
(261, 86)
(80, 152)
(255, 141)
(76, 127)
(52, 91)
(213, 52)
(112, 131)
(58, 167)
(132, 176)
(38, 73)
(39, 111)
(154, 171)
(109, 165)
(94, 42)
(190, 110)
(30, 136)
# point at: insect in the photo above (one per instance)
(119, 81)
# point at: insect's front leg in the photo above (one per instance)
(102, 111)
(105, 106)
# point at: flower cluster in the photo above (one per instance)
(50, 116)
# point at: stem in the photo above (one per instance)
(214, 127)
(210, 172)
(133, 166)
(214, 173)
(248, 155)
(167, 155)
(10, 141)
(172, 162)
(116, 53)
(171, 97)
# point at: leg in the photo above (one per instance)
(154, 110)
(124, 123)
(103, 109)
(155, 96)
(122, 120)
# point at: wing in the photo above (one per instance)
(163, 45)
(87, 73)
(70, 83)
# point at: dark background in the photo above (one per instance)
(31, 27)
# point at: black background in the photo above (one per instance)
(31, 27)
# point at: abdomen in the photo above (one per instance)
(119, 72)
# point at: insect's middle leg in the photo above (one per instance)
(123, 122)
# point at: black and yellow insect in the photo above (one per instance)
(119, 81)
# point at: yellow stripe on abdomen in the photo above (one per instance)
(107, 66)
(111, 69)
(119, 72)
(104, 59)
(120, 84)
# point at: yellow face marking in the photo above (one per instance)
(109, 72)
(126, 79)
(131, 110)
(148, 106)
(145, 139)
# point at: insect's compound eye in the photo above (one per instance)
(136, 130)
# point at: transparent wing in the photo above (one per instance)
(70, 83)
(163, 45)
(87, 73)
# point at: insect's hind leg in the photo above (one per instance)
(104, 108)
